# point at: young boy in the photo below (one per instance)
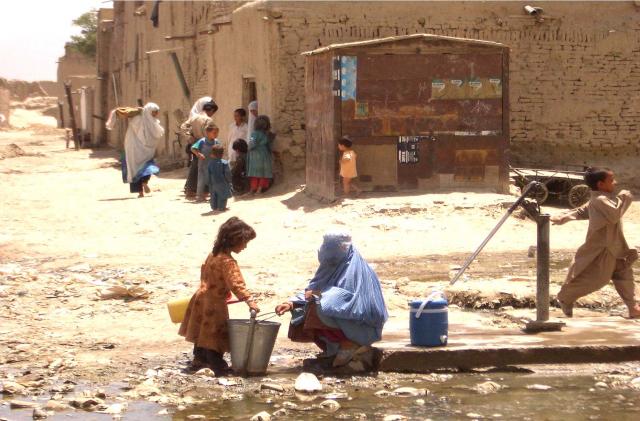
(605, 254)
(239, 178)
(347, 165)
(202, 150)
(219, 180)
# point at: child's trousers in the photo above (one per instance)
(218, 201)
(595, 276)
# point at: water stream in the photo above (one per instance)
(547, 394)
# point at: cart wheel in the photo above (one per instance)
(578, 195)
(540, 194)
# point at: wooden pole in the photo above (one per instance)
(74, 128)
(183, 83)
(61, 110)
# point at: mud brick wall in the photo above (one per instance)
(575, 77)
(5, 100)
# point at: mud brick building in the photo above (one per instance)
(574, 75)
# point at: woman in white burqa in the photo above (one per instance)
(140, 143)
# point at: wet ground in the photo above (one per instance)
(597, 392)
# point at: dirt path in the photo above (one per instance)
(70, 227)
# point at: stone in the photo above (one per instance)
(394, 417)
(114, 409)
(272, 386)
(474, 415)
(539, 387)
(336, 395)
(13, 388)
(289, 405)
(261, 416)
(82, 268)
(22, 404)
(195, 417)
(487, 387)
(602, 385)
(56, 406)
(382, 393)
(420, 402)
(406, 392)
(330, 405)
(307, 383)
(205, 372)
(228, 382)
(39, 414)
(280, 413)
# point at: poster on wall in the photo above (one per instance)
(408, 149)
(348, 77)
(466, 88)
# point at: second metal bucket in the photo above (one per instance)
(260, 345)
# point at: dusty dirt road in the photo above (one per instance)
(70, 227)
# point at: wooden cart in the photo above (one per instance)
(563, 185)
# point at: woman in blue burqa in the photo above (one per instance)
(342, 309)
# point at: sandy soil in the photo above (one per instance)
(70, 227)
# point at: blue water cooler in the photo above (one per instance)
(429, 321)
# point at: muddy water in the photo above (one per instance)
(568, 398)
(524, 396)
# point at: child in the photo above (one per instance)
(348, 165)
(202, 150)
(239, 170)
(605, 254)
(219, 180)
(205, 322)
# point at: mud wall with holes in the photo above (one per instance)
(574, 77)
(141, 69)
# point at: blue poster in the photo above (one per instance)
(348, 76)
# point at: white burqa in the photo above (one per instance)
(197, 106)
(253, 105)
(140, 142)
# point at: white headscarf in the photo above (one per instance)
(253, 105)
(143, 134)
(197, 107)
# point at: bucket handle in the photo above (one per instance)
(431, 297)
(249, 345)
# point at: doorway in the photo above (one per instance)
(249, 91)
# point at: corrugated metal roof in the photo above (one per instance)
(426, 37)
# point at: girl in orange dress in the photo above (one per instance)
(205, 322)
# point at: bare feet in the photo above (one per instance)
(146, 188)
(634, 312)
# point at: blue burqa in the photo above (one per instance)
(351, 296)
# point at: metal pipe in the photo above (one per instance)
(513, 207)
(72, 116)
(542, 276)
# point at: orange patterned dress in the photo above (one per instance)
(205, 322)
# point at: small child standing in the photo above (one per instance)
(239, 178)
(219, 180)
(202, 150)
(605, 254)
(348, 165)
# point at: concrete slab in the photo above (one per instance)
(475, 341)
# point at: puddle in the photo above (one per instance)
(548, 395)
(568, 398)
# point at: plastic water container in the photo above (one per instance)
(178, 309)
(429, 320)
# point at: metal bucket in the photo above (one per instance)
(255, 349)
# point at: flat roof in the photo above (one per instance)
(425, 37)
